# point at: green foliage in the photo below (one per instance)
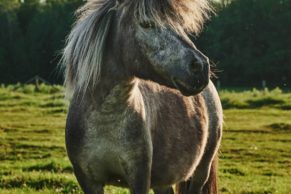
(33, 37)
(275, 98)
(250, 41)
(255, 156)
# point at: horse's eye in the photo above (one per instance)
(147, 24)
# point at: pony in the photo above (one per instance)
(143, 112)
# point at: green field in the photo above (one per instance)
(255, 156)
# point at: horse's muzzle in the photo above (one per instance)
(194, 84)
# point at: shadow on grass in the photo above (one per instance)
(280, 127)
(229, 103)
(234, 171)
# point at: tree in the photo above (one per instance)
(34, 33)
(250, 41)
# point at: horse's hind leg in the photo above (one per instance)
(167, 190)
(204, 180)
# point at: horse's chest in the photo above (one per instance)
(101, 141)
(105, 145)
(99, 157)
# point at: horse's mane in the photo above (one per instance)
(180, 15)
(82, 56)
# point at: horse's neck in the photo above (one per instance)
(115, 97)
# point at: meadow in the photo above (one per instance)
(255, 155)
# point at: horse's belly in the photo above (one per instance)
(176, 159)
(173, 171)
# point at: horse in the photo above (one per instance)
(143, 111)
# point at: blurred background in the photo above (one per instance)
(248, 40)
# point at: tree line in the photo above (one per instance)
(31, 37)
(248, 40)
(250, 43)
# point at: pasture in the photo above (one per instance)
(255, 156)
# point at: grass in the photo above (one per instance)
(255, 156)
(275, 98)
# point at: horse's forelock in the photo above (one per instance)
(181, 15)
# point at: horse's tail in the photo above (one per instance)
(210, 187)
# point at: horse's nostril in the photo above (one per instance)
(196, 66)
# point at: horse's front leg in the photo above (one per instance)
(88, 186)
(138, 173)
(166, 190)
(140, 182)
(137, 154)
(137, 161)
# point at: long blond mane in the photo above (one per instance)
(82, 55)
